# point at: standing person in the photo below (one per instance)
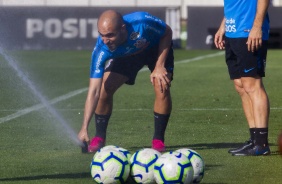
(128, 42)
(246, 28)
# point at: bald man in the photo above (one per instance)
(128, 42)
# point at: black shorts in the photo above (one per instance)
(243, 63)
(129, 66)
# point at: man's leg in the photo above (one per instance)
(162, 110)
(256, 91)
(249, 114)
(260, 104)
(111, 82)
(246, 102)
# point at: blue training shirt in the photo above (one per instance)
(239, 17)
(144, 31)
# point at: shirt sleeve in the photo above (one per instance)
(98, 60)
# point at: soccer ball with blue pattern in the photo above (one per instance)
(173, 167)
(120, 149)
(197, 163)
(109, 167)
(142, 165)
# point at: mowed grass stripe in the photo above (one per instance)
(79, 91)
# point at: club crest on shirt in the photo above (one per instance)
(134, 35)
(140, 43)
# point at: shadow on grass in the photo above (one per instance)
(202, 146)
(130, 181)
(52, 176)
(206, 146)
(63, 176)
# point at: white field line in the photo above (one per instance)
(147, 109)
(79, 91)
(194, 109)
(194, 59)
(40, 106)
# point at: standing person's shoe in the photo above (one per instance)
(247, 145)
(95, 144)
(158, 145)
(257, 150)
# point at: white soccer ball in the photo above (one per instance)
(109, 167)
(197, 163)
(120, 149)
(173, 167)
(142, 165)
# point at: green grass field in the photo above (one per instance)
(206, 116)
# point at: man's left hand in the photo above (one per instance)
(160, 77)
(255, 39)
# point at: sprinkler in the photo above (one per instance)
(84, 147)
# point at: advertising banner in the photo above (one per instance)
(36, 28)
(203, 22)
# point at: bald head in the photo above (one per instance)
(112, 29)
(110, 19)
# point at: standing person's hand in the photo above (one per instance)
(255, 39)
(219, 36)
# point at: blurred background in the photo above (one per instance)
(71, 24)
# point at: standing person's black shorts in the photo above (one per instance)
(244, 63)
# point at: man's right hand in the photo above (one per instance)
(219, 41)
(219, 36)
(83, 135)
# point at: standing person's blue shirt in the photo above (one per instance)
(239, 24)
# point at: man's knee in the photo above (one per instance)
(108, 87)
(252, 85)
(239, 87)
(112, 82)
